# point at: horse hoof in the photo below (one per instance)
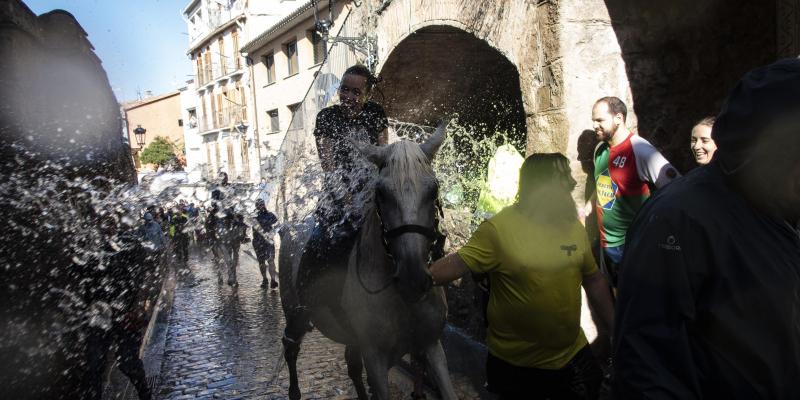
(294, 393)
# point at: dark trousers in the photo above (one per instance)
(612, 258)
(323, 251)
(127, 352)
(579, 380)
(182, 247)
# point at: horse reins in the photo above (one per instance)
(435, 252)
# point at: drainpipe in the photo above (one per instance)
(256, 137)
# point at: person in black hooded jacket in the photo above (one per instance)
(709, 290)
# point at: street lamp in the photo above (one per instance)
(366, 45)
(139, 133)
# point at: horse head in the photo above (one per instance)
(406, 195)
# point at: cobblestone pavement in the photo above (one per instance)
(225, 342)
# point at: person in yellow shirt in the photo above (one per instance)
(537, 256)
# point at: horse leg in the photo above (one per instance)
(418, 367)
(377, 374)
(297, 323)
(355, 365)
(438, 367)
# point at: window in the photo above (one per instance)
(274, 122)
(319, 47)
(199, 62)
(213, 112)
(242, 106)
(297, 116)
(217, 156)
(180, 122)
(192, 118)
(237, 63)
(209, 160)
(222, 64)
(204, 115)
(245, 159)
(269, 62)
(291, 58)
(207, 59)
(220, 112)
(231, 164)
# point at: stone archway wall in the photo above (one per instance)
(671, 61)
(682, 58)
(442, 70)
(512, 28)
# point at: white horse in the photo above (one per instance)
(388, 307)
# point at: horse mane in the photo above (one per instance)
(410, 165)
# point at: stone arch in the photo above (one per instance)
(440, 69)
(511, 31)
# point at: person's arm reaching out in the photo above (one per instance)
(448, 269)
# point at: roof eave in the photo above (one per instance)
(275, 29)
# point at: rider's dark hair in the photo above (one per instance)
(615, 106)
(361, 70)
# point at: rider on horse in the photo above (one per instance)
(339, 214)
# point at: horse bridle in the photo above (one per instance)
(435, 252)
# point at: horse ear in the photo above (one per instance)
(375, 154)
(431, 146)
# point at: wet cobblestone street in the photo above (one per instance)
(225, 342)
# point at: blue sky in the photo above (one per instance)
(142, 43)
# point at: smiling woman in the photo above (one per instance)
(703, 145)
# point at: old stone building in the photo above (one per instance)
(61, 143)
(57, 102)
(538, 66)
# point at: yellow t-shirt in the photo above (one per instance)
(535, 298)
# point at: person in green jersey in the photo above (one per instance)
(537, 256)
(626, 168)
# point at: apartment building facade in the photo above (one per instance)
(215, 29)
(223, 109)
(285, 59)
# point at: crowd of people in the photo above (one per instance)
(218, 229)
(700, 274)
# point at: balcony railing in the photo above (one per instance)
(224, 119)
(211, 73)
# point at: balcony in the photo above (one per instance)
(225, 119)
(216, 73)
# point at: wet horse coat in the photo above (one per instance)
(387, 308)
